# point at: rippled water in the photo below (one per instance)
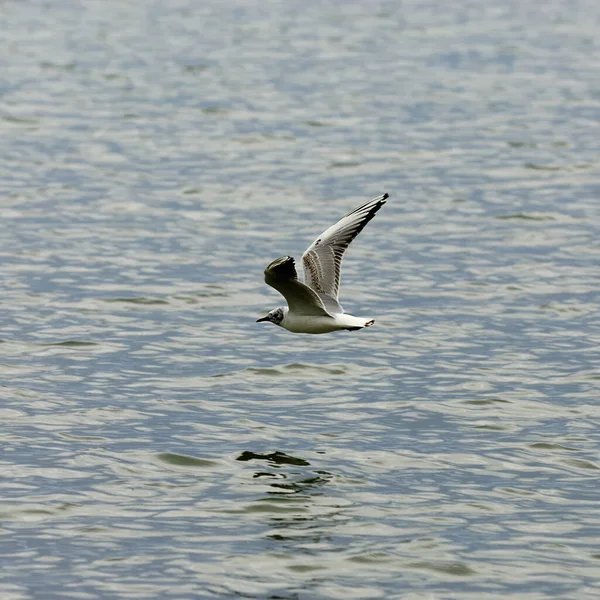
(157, 442)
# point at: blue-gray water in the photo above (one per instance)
(157, 442)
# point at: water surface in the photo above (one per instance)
(157, 442)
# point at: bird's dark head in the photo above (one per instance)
(275, 316)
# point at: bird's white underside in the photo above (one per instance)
(308, 324)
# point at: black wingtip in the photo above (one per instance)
(374, 205)
(381, 200)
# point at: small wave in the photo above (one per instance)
(138, 300)
(181, 460)
(291, 369)
(71, 344)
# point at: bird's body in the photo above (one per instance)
(313, 306)
(316, 324)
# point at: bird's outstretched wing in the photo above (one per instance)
(281, 275)
(322, 261)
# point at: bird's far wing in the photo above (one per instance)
(322, 261)
(281, 275)
(331, 304)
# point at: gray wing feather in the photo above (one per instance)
(322, 261)
(281, 275)
(330, 303)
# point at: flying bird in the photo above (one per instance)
(313, 306)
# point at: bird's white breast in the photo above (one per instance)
(312, 324)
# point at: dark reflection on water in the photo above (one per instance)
(274, 458)
(157, 443)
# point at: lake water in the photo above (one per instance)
(157, 442)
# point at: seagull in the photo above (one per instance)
(313, 306)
